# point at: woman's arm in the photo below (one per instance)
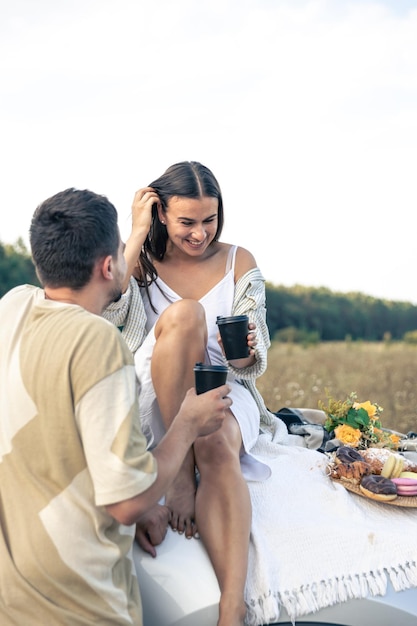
(128, 313)
(250, 300)
(141, 222)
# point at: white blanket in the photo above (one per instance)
(314, 544)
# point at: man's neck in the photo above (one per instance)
(84, 297)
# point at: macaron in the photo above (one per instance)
(408, 475)
(393, 466)
(406, 486)
(398, 468)
(388, 466)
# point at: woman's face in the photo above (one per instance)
(191, 223)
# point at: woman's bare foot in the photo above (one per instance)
(180, 499)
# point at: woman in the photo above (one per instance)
(183, 278)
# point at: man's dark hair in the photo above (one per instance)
(69, 232)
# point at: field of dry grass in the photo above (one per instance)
(385, 373)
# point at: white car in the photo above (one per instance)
(179, 588)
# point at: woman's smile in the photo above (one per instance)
(191, 222)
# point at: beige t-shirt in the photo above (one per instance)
(70, 443)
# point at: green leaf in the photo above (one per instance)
(351, 418)
(362, 417)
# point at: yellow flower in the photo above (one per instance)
(371, 409)
(394, 439)
(348, 435)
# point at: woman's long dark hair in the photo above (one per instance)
(188, 179)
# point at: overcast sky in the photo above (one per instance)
(306, 112)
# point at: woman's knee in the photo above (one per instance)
(183, 316)
(220, 448)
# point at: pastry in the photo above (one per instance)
(376, 458)
(408, 475)
(393, 466)
(406, 486)
(347, 454)
(378, 487)
(348, 464)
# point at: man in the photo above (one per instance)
(75, 474)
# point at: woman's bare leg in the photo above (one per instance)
(181, 337)
(223, 513)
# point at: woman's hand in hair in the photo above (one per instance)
(142, 211)
(141, 222)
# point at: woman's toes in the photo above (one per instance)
(190, 529)
(174, 521)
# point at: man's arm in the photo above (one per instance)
(199, 415)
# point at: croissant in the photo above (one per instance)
(348, 464)
(352, 472)
(376, 458)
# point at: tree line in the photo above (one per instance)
(16, 266)
(318, 314)
(293, 313)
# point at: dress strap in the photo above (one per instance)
(230, 262)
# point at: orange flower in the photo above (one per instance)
(371, 409)
(395, 439)
(348, 435)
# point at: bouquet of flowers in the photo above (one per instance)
(357, 424)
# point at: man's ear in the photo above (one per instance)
(106, 267)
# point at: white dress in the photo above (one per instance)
(218, 301)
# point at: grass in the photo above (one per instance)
(385, 373)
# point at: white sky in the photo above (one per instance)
(306, 112)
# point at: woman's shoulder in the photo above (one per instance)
(242, 254)
(244, 262)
